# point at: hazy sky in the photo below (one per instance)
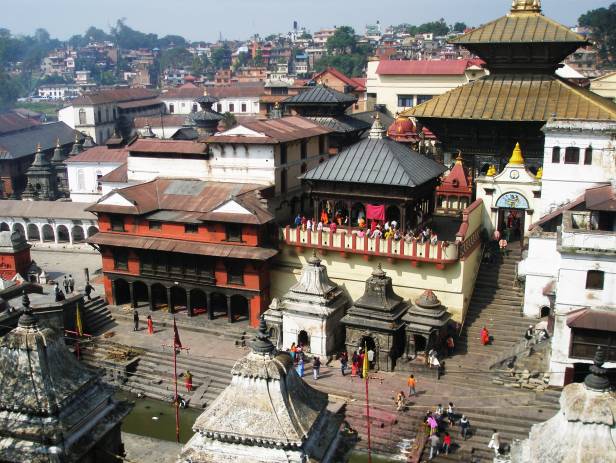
(206, 19)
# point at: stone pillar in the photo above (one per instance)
(113, 291)
(55, 234)
(131, 289)
(150, 301)
(189, 310)
(169, 301)
(208, 303)
(316, 212)
(229, 311)
(70, 235)
(349, 205)
(41, 239)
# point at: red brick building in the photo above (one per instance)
(202, 248)
(14, 255)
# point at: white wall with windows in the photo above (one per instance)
(97, 121)
(245, 106)
(84, 179)
(180, 105)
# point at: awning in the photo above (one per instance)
(593, 319)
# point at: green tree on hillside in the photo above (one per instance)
(343, 41)
(602, 22)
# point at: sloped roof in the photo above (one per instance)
(117, 95)
(320, 94)
(593, 319)
(45, 209)
(166, 120)
(355, 84)
(378, 162)
(15, 145)
(425, 67)
(101, 154)
(247, 90)
(11, 122)
(187, 92)
(117, 175)
(601, 198)
(341, 124)
(520, 28)
(536, 98)
(167, 146)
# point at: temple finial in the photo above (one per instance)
(58, 142)
(527, 6)
(517, 159)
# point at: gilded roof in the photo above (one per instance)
(520, 27)
(531, 98)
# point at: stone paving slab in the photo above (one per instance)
(141, 449)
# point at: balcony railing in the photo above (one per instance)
(592, 241)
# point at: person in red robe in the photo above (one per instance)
(150, 325)
(324, 217)
(485, 336)
(188, 381)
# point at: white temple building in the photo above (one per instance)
(268, 414)
(310, 312)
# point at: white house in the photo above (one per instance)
(58, 91)
(400, 85)
(181, 100)
(86, 170)
(578, 155)
(240, 99)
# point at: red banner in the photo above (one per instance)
(375, 212)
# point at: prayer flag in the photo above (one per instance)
(176, 336)
(78, 322)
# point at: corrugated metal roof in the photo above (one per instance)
(11, 122)
(516, 98)
(117, 175)
(377, 162)
(320, 94)
(45, 209)
(341, 124)
(520, 28)
(184, 247)
(115, 95)
(23, 143)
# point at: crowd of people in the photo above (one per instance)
(440, 423)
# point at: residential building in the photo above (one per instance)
(86, 170)
(335, 79)
(58, 91)
(238, 99)
(320, 37)
(98, 114)
(186, 246)
(181, 100)
(401, 85)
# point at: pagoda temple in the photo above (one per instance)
(59, 166)
(42, 179)
(267, 414)
(310, 312)
(52, 408)
(206, 120)
(375, 321)
(487, 117)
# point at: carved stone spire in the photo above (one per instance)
(597, 379)
(262, 343)
(377, 132)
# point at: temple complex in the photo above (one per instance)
(267, 414)
(375, 322)
(52, 408)
(310, 312)
(487, 117)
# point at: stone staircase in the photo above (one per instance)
(152, 373)
(96, 316)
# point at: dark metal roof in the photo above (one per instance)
(368, 117)
(23, 143)
(378, 162)
(341, 124)
(320, 94)
(205, 115)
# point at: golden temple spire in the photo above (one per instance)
(516, 157)
(459, 158)
(526, 6)
(491, 171)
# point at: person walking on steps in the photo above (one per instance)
(528, 336)
(495, 442)
(150, 325)
(71, 283)
(434, 445)
(411, 382)
(135, 320)
(464, 427)
(316, 367)
(65, 284)
(446, 443)
(188, 381)
(344, 362)
(88, 290)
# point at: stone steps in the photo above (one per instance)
(96, 316)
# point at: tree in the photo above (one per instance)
(343, 41)
(229, 120)
(459, 27)
(175, 58)
(200, 65)
(601, 22)
(10, 90)
(172, 40)
(94, 34)
(221, 57)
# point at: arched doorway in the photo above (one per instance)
(78, 235)
(198, 302)
(48, 234)
(303, 338)
(178, 299)
(368, 344)
(140, 293)
(4, 227)
(33, 232)
(92, 230)
(19, 228)
(159, 296)
(512, 208)
(121, 292)
(420, 343)
(63, 235)
(239, 308)
(218, 304)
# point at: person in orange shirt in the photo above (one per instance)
(411, 383)
(485, 336)
(324, 217)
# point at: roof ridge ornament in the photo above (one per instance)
(526, 6)
(517, 159)
(377, 132)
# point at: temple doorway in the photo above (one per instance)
(303, 339)
(368, 344)
(122, 292)
(511, 223)
(420, 343)
(239, 308)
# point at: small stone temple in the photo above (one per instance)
(267, 414)
(310, 312)
(206, 120)
(425, 325)
(52, 408)
(375, 321)
(584, 428)
(42, 180)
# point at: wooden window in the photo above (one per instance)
(556, 155)
(235, 273)
(231, 107)
(82, 116)
(191, 228)
(588, 156)
(584, 343)
(117, 223)
(244, 110)
(233, 232)
(171, 108)
(155, 225)
(146, 260)
(321, 144)
(594, 279)
(304, 149)
(406, 101)
(572, 155)
(120, 259)
(283, 153)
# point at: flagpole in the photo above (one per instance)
(175, 380)
(366, 374)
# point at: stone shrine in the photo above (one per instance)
(52, 408)
(59, 167)
(41, 176)
(310, 312)
(267, 414)
(425, 325)
(585, 424)
(375, 321)
(206, 120)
